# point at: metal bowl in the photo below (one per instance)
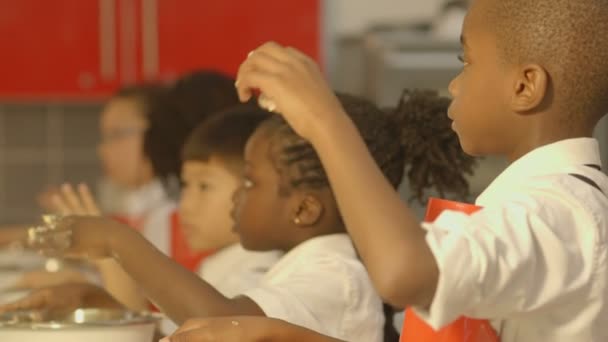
(79, 318)
(89, 325)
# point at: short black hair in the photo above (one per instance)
(224, 135)
(567, 37)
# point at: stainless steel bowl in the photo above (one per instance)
(89, 325)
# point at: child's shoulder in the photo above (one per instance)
(323, 255)
(334, 245)
(579, 188)
(562, 203)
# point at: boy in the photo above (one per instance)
(534, 261)
(211, 172)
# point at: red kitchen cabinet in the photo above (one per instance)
(83, 49)
(195, 33)
(58, 48)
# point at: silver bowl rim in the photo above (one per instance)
(139, 318)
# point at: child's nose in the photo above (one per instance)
(453, 87)
(236, 196)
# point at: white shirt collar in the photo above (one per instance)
(554, 158)
(147, 197)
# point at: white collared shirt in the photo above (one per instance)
(233, 269)
(534, 260)
(323, 286)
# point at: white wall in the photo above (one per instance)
(354, 16)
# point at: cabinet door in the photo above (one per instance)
(218, 34)
(58, 48)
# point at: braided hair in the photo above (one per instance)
(416, 135)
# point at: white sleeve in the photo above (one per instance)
(313, 294)
(515, 258)
(253, 270)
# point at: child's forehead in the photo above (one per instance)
(477, 30)
(215, 165)
(479, 16)
(259, 142)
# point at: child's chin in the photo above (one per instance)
(250, 245)
(196, 247)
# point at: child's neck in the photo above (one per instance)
(317, 232)
(549, 135)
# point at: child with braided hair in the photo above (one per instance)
(285, 203)
(532, 90)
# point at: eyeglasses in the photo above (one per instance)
(120, 134)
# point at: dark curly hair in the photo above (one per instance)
(201, 93)
(166, 131)
(173, 112)
(415, 136)
(432, 152)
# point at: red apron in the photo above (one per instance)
(463, 329)
(180, 250)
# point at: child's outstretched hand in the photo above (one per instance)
(76, 237)
(63, 299)
(79, 201)
(243, 329)
(291, 84)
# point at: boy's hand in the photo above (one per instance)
(63, 299)
(67, 201)
(76, 237)
(291, 84)
(45, 198)
(243, 329)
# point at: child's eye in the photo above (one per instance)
(462, 60)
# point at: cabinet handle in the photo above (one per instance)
(107, 39)
(149, 29)
(128, 41)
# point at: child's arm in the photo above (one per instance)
(386, 232)
(120, 285)
(11, 234)
(69, 200)
(178, 292)
(244, 329)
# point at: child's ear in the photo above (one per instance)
(530, 88)
(309, 211)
